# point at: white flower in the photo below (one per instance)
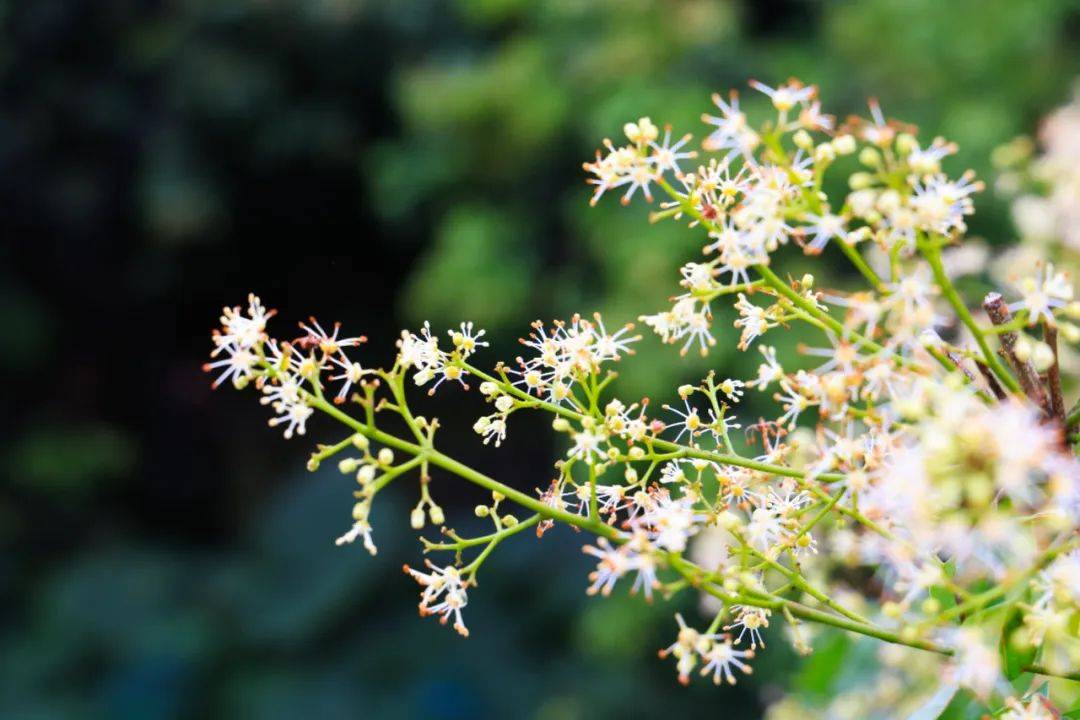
(351, 372)
(443, 594)
(750, 621)
(721, 658)
(587, 446)
(328, 343)
(466, 340)
(667, 156)
(1043, 294)
(823, 228)
(732, 131)
(785, 97)
(238, 366)
(360, 529)
(492, 427)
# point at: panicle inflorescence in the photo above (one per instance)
(901, 479)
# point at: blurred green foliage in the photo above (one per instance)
(467, 123)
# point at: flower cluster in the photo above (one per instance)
(911, 474)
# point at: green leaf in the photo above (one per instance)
(817, 677)
(1015, 652)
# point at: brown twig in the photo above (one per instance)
(1025, 371)
(958, 361)
(991, 381)
(1053, 374)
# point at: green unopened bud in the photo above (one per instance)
(313, 464)
(931, 606)
(637, 452)
(1070, 332)
(845, 144)
(416, 518)
(906, 144)
(807, 281)
(860, 180)
(241, 381)
(870, 157)
(348, 466)
(686, 391)
(560, 424)
(360, 511)
(803, 140)
(360, 442)
(509, 521)
(386, 457)
(631, 475)
(435, 513)
(481, 511)
(824, 153)
(504, 403)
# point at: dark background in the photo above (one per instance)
(165, 554)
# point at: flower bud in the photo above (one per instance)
(359, 441)
(686, 391)
(348, 466)
(504, 403)
(906, 144)
(360, 511)
(631, 476)
(416, 518)
(481, 511)
(637, 452)
(807, 281)
(1042, 357)
(803, 140)
(488, 388)
(728, 520)
(844, 144)
(509, 521)
(366, 474)
(560, 424)
(386, 456)
(435, 513)
(860, 180)
(824, 153)
(313, 464)
(1023, 348)
(870, 157)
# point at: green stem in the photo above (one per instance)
(932, 252)
(857, 260)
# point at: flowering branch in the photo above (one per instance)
(889, 492)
